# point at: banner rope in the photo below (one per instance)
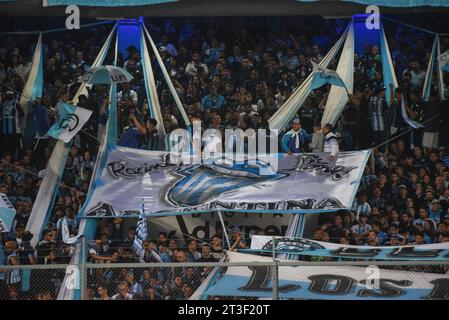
(56, 30)
(410, 129)
(413, 27)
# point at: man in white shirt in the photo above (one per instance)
(127, 95)
(123, 292)
(417, 75)
(330, 142)
(196, 67)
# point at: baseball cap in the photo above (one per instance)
(435, 201)
(402, 187)
(296, 121)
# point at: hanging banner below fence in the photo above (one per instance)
(300, 246)
(328, 282)
(300, 184)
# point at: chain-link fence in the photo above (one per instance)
(346, 280)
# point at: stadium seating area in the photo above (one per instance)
(228, 75)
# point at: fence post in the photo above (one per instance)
(83, 270)
(274, 273)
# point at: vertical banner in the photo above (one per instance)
(440, 70)
(48, 190)
(98, 62)
(338, 97)
(167, 77)
(430, 68)
(88, 227)
(31, 91)
(287, 111)
(387, 66)
(150, 85)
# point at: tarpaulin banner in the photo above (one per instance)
(297, 184)
(328, 282)
(300, 246)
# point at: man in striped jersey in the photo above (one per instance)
(378, 108)
(361, 206)
(10, 112)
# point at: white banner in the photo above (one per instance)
(289, 245)
(329, 282)
(301, 183)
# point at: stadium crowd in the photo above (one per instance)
(227, 76)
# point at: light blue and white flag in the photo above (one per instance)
(428, 80)
(412, 123)
(338, 98)
(389, 75)
(322, 76)
(7, 213)
(32, 90)
(71, 120)
(443, 59)
(141, 230)
(66, 234)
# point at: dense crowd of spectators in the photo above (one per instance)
(227, 76)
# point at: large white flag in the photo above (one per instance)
(71, 120)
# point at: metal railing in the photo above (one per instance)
(165, 281)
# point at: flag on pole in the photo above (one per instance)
(443, 60)
(322, 76)
(141, 230)
(412, 123)
(7, 213)
(71, 120)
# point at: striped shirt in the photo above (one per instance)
(376, 106)
(359, 208)
(14, 274)
(358, 229)
(10, 111)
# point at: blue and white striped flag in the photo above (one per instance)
(322, 76)
(71, 120)
(141, 230)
